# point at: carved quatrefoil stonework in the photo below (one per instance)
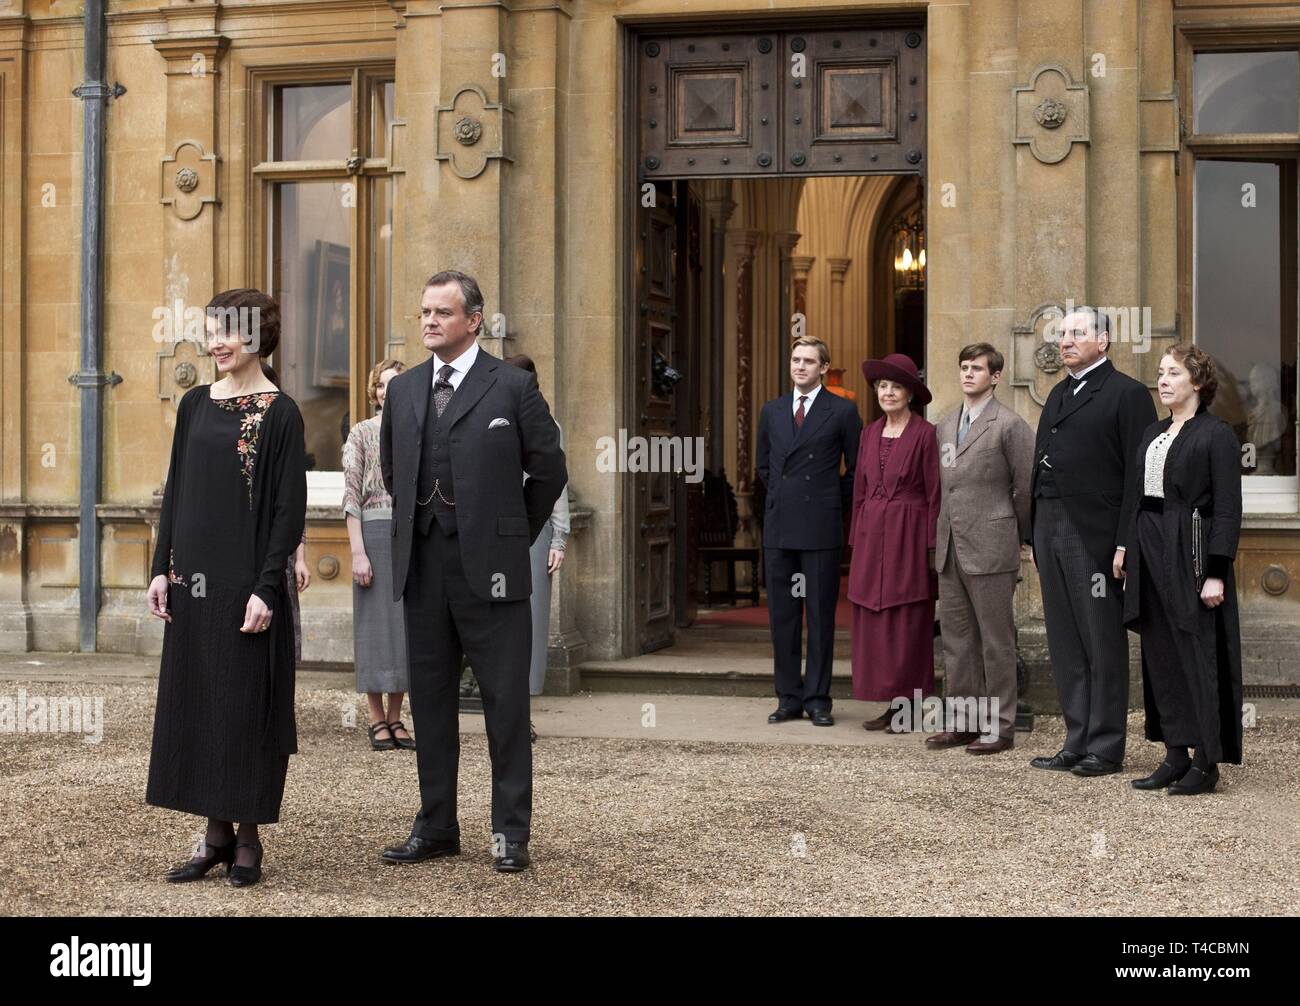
(469, 118)
(1051, 113)
(1035, 357)
(188, 180)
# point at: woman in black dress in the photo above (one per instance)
(1180, 594)
(232, 515)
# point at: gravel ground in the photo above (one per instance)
(662, 827)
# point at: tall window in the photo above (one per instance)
(1241, 151)
(324, 198)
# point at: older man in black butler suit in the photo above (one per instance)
(458, 433)
(802, 439)
(1083, 493)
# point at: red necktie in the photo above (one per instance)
(798, 413)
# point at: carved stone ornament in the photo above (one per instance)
(1051, 113)
(468, 130)
(186, 374)
(1047, 358)
(188, 180)
(469, 118)
(1035, 357)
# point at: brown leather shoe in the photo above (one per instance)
(991, 747)
(949, 739)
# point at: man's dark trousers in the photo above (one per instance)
(815, 592)
(444, 621)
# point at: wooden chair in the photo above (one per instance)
(719, 520)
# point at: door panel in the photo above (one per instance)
(829, 101)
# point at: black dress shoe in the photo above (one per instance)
(247, 876)
(1163, 776)
(1093, 765)
(514, 860)
(1196, 781)
(785, 715)
(196, 869)
(821, 717)
(416, 849)
(1062, 761)
(406, 743)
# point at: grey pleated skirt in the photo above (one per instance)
(378, 625)
(540, 603)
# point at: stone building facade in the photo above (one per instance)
(599, 166)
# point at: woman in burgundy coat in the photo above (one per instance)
(892, 583)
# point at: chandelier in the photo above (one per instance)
(909, 252)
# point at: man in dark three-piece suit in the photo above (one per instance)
(1083, 494)
(458, 433)
(802, 439)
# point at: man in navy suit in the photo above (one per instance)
(803, 438)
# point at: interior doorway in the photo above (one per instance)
(764, 202)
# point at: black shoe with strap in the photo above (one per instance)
(1196, 781)
(387, 744)
(197, 869)
(406, 743)
(246, 876)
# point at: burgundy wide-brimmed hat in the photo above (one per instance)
(897, 367)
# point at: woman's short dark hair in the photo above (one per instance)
(1200, 367)
(246, 307)
(523, 361)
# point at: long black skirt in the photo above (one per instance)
(215, 751)
(1170, 658)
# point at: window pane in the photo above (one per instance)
(1247, 92)
(1242, 316)
(381, 266)
(384, 94)
(312, 122)
(310, 257)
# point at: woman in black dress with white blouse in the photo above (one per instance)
(1180, 594)
(232, 514)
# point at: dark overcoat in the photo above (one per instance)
(1202, 472)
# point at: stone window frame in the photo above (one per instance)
(1198, 32)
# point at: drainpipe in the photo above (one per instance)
(94, 94)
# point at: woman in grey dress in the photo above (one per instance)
(547, 556)
(378, 626)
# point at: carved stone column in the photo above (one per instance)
(802, 265)
(720, 209)
(839, 266)
(744, 242)
(785, 242)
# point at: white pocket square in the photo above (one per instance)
(498, 422)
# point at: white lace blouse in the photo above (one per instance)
(1153, 482)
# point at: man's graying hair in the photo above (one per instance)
(1100, 321)
(469, 291)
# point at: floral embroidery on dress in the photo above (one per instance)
(254, 408)
(172, 575)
